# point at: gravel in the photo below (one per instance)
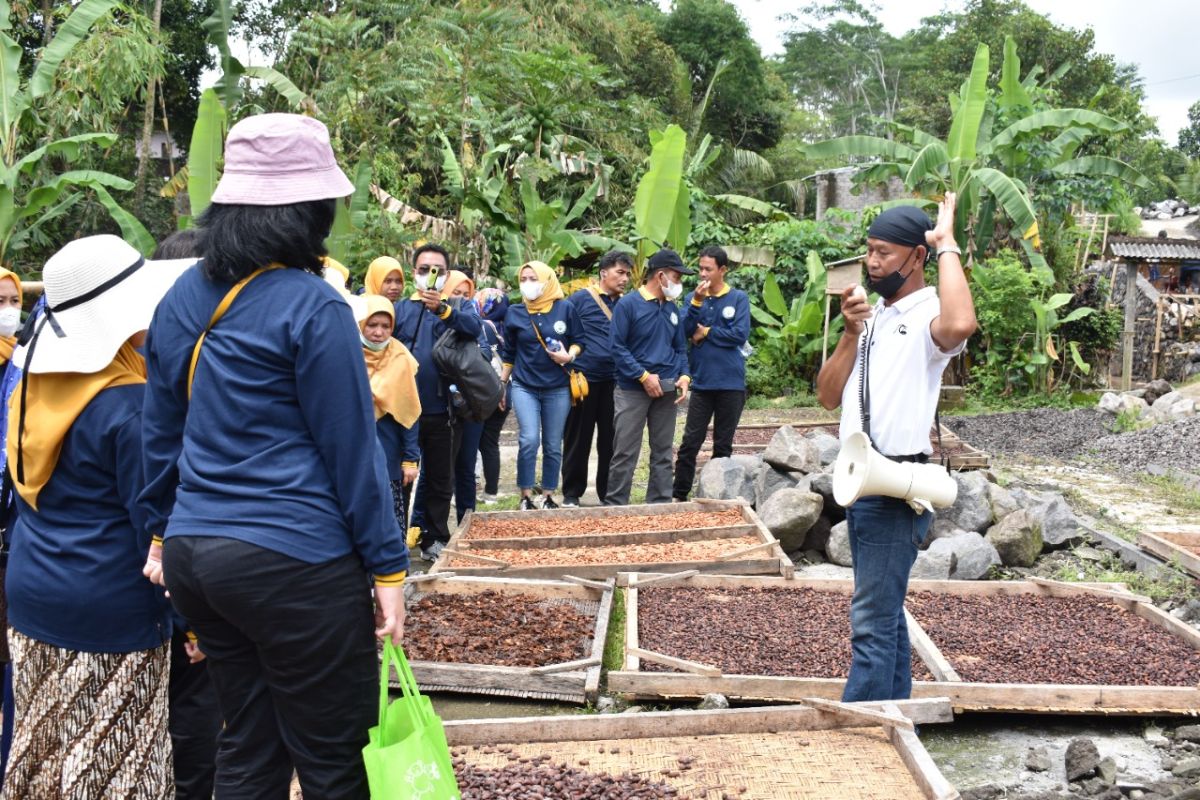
(1044, 432)
(1175, 443)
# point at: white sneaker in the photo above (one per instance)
(432, 552)
(489, 499)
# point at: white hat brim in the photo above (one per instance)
(94, 332)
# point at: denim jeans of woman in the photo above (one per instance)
(541, 417)
(884, 536)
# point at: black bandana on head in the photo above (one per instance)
(905, 225)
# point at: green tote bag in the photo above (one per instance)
(407, 757)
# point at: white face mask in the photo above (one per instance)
(372, 346)
(532, 290)
(422, 282)
(10, 320)
(673, 290)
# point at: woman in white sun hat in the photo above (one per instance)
(89, 634)
(256, 412)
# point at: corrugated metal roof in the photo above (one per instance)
(1144, 248)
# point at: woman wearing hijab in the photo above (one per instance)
(385, 277)
(10, 322)
(541, 338)
(392, 373)
(257, 410)
(89, 634)
(493, 305)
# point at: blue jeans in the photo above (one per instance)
(464, 468)
(884, 536)
(541, 417)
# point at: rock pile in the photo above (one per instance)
(791, 487)
(1166, 209)
(1157, 402)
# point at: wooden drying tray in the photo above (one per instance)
(780, 753)
(966, 458)
(997, 697)
(572, 682)
(1173, 546)
(767, 557)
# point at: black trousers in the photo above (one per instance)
(489, 450)
(724, 408)
(291, 654)
(594, 414)
(194, 722)
(439, 439)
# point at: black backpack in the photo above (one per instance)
(460, 361)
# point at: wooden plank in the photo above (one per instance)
(786, 568)
(637, 579)
(675, 663)
(473, 557)
(600, 585)
(589, 512)
(1152, 613)
(706, 502)
(914, 755)
(480, 677)
(471, 584)
(1170, 551)
(611, 539)
(1064, 589)
(567, 666)
(846, 585)
(426, 577)
(632, 662)
(864, 715)
(745, 551)
(928, 651)
(745, 566)
(650, 724)
(591, 685)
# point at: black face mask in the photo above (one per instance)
(887, 286)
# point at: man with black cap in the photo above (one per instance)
(905, 340)
(650, 354)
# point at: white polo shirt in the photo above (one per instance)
(906, 375)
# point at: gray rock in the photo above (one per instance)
(768, 480)
(1155, 390)
(713, 702)
(729, 478)
(1164, 402)
(822, 484)
(1093, 786)
(789, 514)
(789, 450)
(827, 445)
(1113, 403)
(814, 556)
(1186, 767)
(1017, 538)
(1081, 758)
(838, 547)
(1190, 733)
(634, 710)
(1154, 736)
(1038, 760)
(1060, 528)
(934, 564)
(1107, 770)
(817, 537)
(974, 555)
(971, 510)
(1110, 403)
(1001, 500)
(606, 704)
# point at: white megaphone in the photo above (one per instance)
(861, 471)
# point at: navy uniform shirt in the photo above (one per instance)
(647, 338)
(399, 445)
(532, 365)
(716, 360)
(278, 445)
(418, 329)
(75, 571)
(596, 361)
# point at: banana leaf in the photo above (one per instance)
(68, 148)
(773, 297)
(656, 204)
(280, 83)
(964, 128)
(205, 151)
(1012, 199)
(1096, 166)
(1012, 93)
(1056, 119)
(14, 102)
(871, 146)
(760, 207)
(217, 27)
(73, 31)
(930, 162)
(132, 230)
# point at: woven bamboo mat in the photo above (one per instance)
(849, 764)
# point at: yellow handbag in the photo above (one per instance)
(575, 379)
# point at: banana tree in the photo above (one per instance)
(662, 208)
(32, 193)
(989, 171)
(791, 331)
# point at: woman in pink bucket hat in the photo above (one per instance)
(271, 516)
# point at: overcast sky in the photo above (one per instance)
(1161, 36)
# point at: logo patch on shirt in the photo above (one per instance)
(674, 318)
(903, 329)
(560, 327)
(727, 312)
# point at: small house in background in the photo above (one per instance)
(835, 189)
(1165, 263)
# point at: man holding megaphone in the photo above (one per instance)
(886, 375)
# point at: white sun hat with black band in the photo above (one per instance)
(99, 291)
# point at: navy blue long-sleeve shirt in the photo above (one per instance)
(647, 337)
(418, 329)
(532, 365)
(277, 447)
(74, 575)
(400, 444)
(595, 362)
(716, 361)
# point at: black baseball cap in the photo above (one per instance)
(667, 259)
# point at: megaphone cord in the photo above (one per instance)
(864, 381)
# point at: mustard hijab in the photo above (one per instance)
(391, 371)
(333, 264)
(454, 279)
(377, 272)
(551, 289)
(7, 343)
(54, 400)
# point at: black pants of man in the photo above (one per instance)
(195, 721)
(291, 654)
(489, 450)
(594, 414)
(724, 409)
(439, 439)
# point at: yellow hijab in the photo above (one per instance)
(377, 271)
(454, 279)
(392, 371)
(550, 292)
(7, 343)
(53, 402)
(334, 264)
